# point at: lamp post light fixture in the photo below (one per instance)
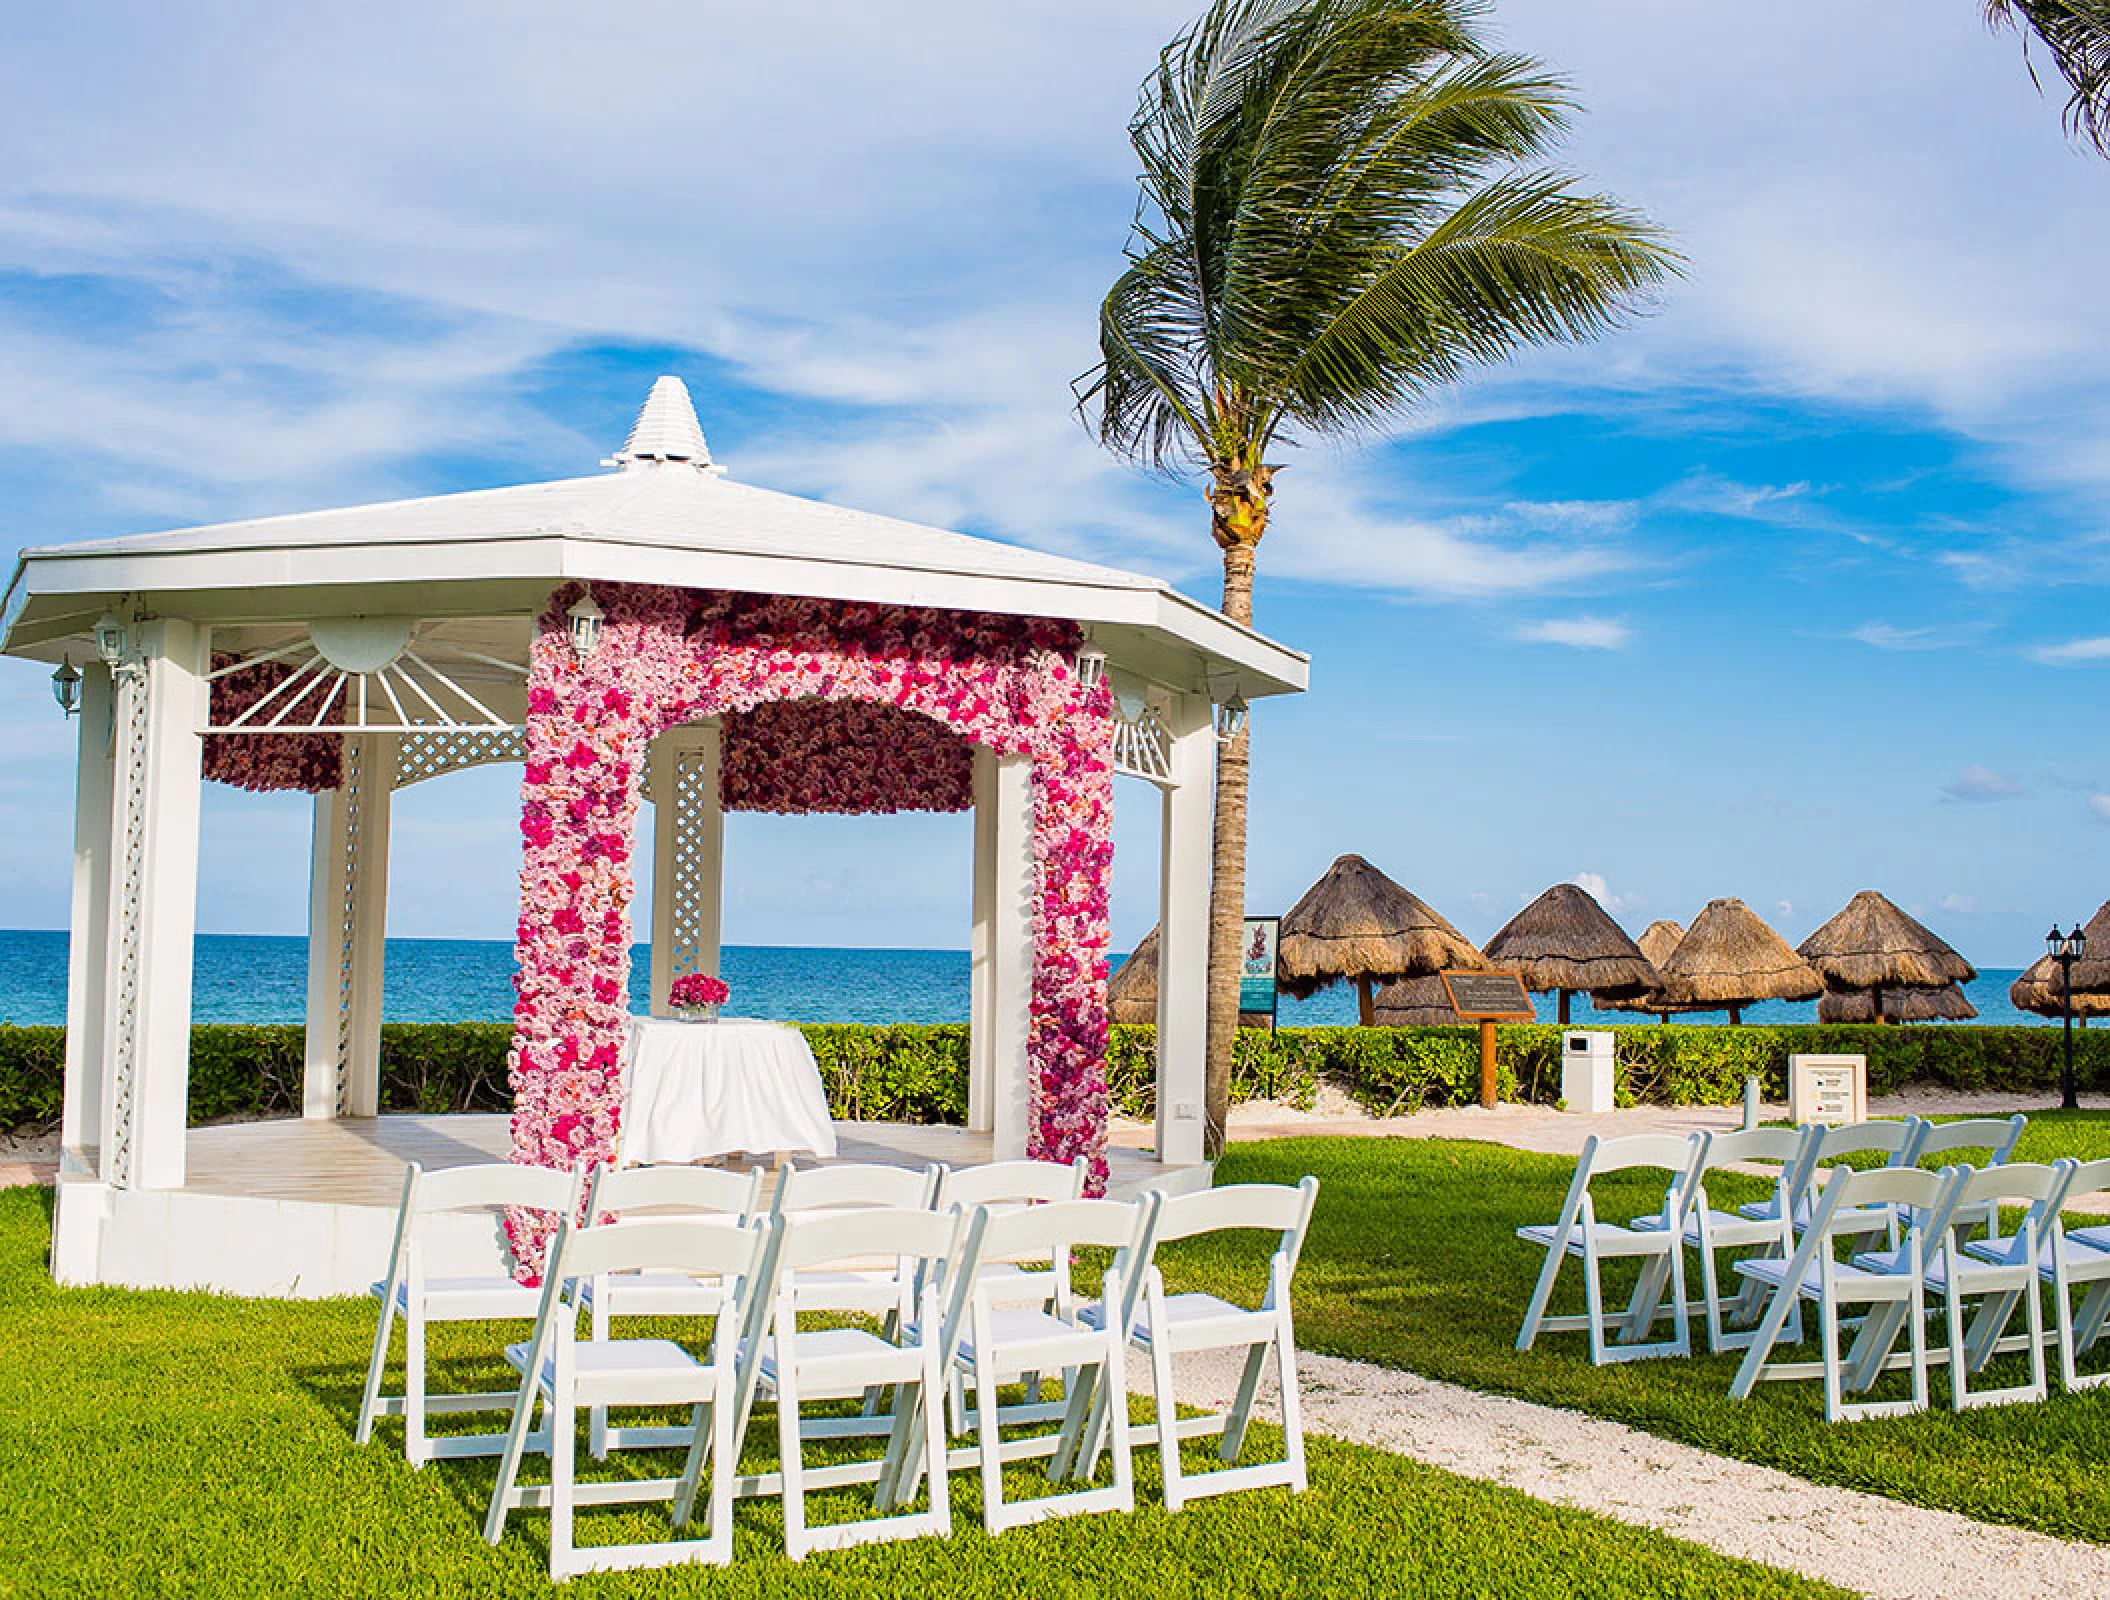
(2066, 949)
(1091, 665)
(583, 625)
(66, 687)
(1230, 718)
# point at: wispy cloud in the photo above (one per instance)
(1980, 785)
(2073, 653)
(1883, 636)
(1961, 905)
(1580, 633)
(2099, 807)
(1594, 885)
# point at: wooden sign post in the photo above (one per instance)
(1488, 998)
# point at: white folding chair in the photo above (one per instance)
(1710, 1232)
(421, 1300)
(1578, 1233)
(2068, 1261)
(1898, 1141)
(886, 1292)
(993, 1339)
(564, 1374)
(1167, 1325)
(1996, 1136)
(626, 1192)
(1998, 1272)
(800, 1366)
(1891, 1288)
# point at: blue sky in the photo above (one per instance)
(1795, 588)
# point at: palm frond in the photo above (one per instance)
(2077, 34)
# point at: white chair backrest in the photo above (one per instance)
(1898, 1139)
(709, 1190)
(1930, 1196)
(1996, 1135)
(1782, 1147)
(2086, 1178)
(823, 1238)
(1275, 1206)
(491, 1185)
(1011, 1183)
(854, 1185)
(709, 1246)
(2042, 1187)
(1666, 1151)
(1065, 1224)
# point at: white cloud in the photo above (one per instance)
(2074, 652)
(1581, 633)
(1594, 885)
(1786, 908)
(1982, 784)
(1883, 636)
(1961, 904)
(2099, 807)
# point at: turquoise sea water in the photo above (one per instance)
(246, 978)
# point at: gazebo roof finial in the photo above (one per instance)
(666, 431)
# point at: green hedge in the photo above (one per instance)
(909, 1073)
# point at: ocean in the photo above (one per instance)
(261, 978)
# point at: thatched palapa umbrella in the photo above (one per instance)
(2042, 988)
(1565, 942)
(1357, 924)
(1657, 941)
(1729, 959)
(1415, 1003)
(1132, 993)
(1873, 946)
(1940, 1003)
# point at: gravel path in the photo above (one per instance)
(1858, 1541)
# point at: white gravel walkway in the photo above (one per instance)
(1858, 1541)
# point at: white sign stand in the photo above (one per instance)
(1832, 1090)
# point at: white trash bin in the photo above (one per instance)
(1586, 1072)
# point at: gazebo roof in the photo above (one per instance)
(667, 515)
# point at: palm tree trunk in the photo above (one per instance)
(1227, 883)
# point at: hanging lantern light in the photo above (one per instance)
(111, 640)
(1091, 665)
(1230, 718)
(66, 687)
(583, 623)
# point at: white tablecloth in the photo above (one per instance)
(693, 1091)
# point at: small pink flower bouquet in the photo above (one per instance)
(697, 994)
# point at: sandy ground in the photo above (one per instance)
(1858, 1541)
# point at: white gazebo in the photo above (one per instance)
(354, 652)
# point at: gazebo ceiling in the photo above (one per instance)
(664, 516)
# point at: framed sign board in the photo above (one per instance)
(1488, 997)
(1256, 976)
(1832, 1090)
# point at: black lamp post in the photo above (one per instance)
(2066, 949)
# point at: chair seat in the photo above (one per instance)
(468, 1299)
(1193, 1320)
(1018, 1329)
(2095, 1238)
(1610, 1238)
(1723, 1227)
(1774, 1271)
(2083, 1263)
(645, 1370)
(859, 1357)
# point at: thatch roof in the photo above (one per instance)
(2093, 972)
(1872, 944)
(1731, 958)
(1936, 1003)
(2041, 989)
(1132, 993)
(1414, 1003)
(1564, 940)
(1657, 941)
(1357, 923)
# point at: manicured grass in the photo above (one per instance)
(185, 1444)
(1413, 1263)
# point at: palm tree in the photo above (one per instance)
(2077, 33)
(1342, 210)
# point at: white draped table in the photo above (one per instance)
(694, 1091)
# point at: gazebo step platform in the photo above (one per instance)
(305, 1210)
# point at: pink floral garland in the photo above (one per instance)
(768, 665)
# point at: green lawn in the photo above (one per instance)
(186, 1444)
(1413, 1263)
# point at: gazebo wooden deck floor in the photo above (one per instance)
(358, 1161)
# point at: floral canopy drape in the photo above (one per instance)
(827, 706)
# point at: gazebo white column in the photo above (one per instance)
(1183, 927)
(88, 946)
(348, 933)
(1000, 998)
(153, 903)
(688, 855)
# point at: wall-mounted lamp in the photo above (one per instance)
(583, 623)
(1091, 665)
(1230, 718)
(66, 687)
(111, 639)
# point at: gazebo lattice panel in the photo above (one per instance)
(132, 776)
(428, 754)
